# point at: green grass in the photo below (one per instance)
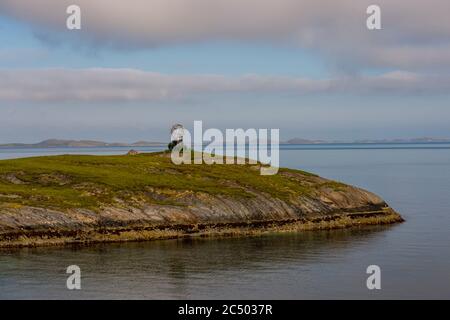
(81, 181)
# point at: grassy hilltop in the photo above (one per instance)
(83, 181)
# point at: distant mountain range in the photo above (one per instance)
(303, 141)
(92, 143)
(411, 140)
(81, 143)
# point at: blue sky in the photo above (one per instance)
(131, 81)
(217, 57)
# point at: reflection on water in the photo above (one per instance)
(192, 268)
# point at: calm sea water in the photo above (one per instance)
(414, 256)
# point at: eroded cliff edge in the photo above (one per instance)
(82, 199)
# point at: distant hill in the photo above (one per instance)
(410, 140)
(81, 143)
(303, 141)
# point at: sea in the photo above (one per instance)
(413, 257)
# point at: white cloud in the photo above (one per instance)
(118, 85)
(415, 34)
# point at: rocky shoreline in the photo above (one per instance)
(97, 234)
(30, 227)
(164, 201)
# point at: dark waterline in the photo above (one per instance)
(414, 256)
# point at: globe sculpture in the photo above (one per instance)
(176, 135)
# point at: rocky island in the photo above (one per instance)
(85, 199)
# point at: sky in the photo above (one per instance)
(308, 67)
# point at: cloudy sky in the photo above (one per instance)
(308, 67)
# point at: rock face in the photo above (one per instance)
(155, 212)
(132, 152)
(22, 226)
